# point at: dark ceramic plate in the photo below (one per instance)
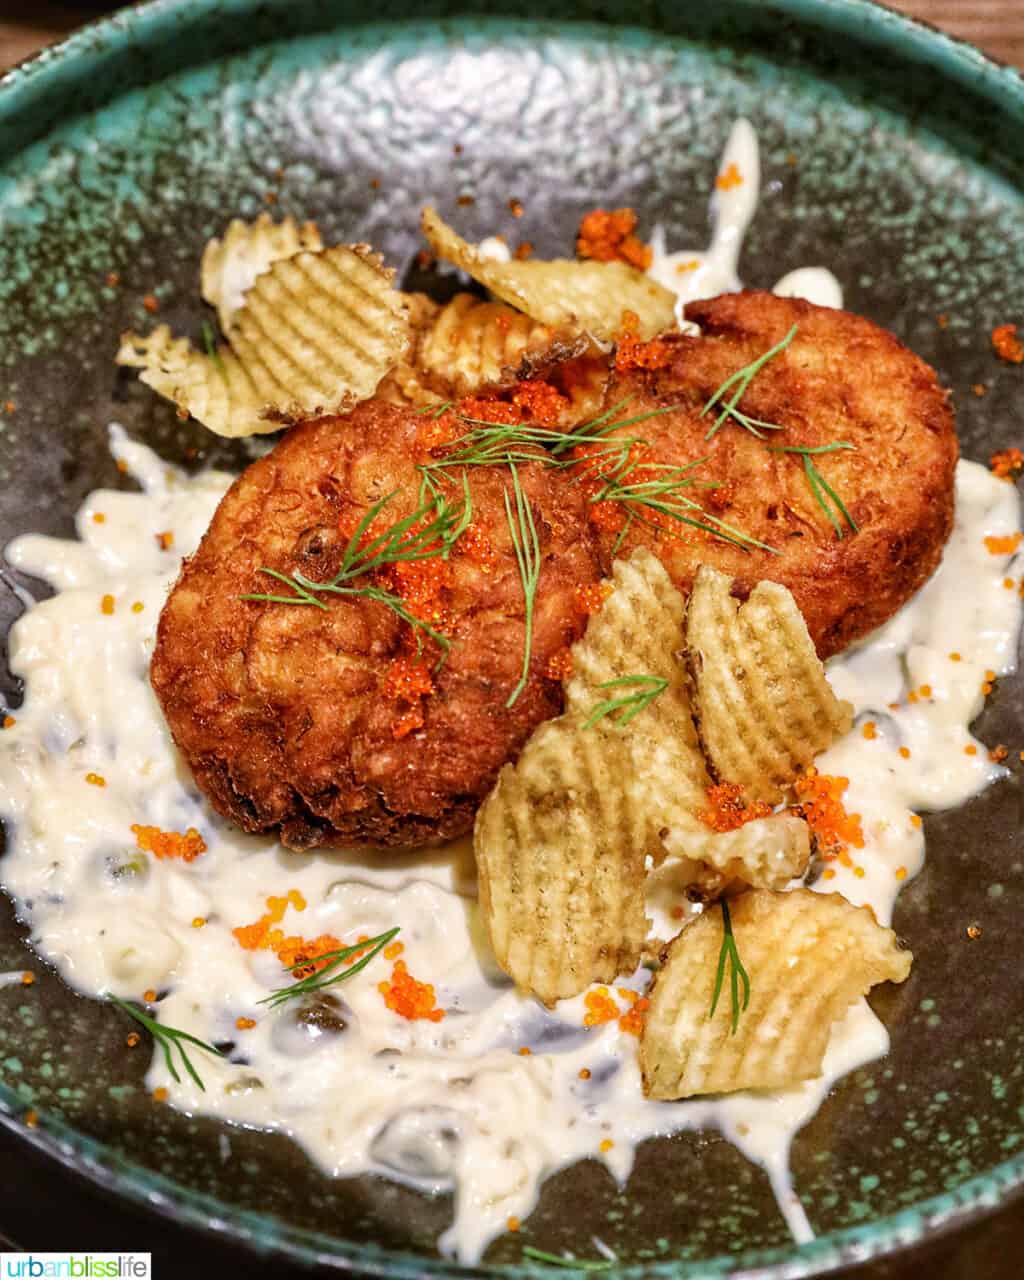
(890, 153)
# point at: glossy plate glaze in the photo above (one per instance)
(890, 153)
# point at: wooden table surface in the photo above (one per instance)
(993, 1250)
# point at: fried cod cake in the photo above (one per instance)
(841, 380)
(340, 725)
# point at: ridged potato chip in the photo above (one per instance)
(561, 843)
(766, 853)
(577, 296)
(807, 956)
(230, 265)
(474, 344)
(560, 853)
(316, 334)
(763, 705)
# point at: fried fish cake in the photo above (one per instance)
(841, 379)
(327, 726)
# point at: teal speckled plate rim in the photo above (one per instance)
(56, 71)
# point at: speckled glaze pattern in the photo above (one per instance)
(889, 153)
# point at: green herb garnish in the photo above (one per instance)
(737, 974)
(526, 545)
(328, 975)
(169, 1039)
(741, 380)
(819, 486)
(431, 530)
(626, 708)
(571, 1264)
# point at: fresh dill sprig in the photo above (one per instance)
(741, 380)
(526, 546)
(730, 955)
(329, 975)
(210, 343)
(820, 488)
(627, 707)
(570, 1264)
(663, 495)
(169, 1039)
(431, 530)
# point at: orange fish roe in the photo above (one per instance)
(539, 402)
(607, 515)
(27, 978)
(900, 873)
(970, 750)
(515, 207)
(1007, 345)
(151, 303)
(302, 955)
(870, 730)
(32, 1119)
(96, 779)
(915, 819)
(476, 545)
(1003, 546)
(245, 1024)
(256, 937)
(607, 1144)
(393, 951)
(925, 691)
(525, 1051)
(600, 1008)
(435, 432)
(512, 1224)
(1009, 584)
(634, 354)
(138, 606)
(407, 678)
(132, 1039)
(828, 874)
(589, 599)
(9, 722)
(905, 752)
(107, 605)
(559, 665)
(523, 251)
(407, 722)
(632, 1021)
(859, 872)
(998, 753)
(169, 844)
(729, 178)
(584, 1073)
(727, 810)
(1007, 463)
(490, 409)
(149, 996)
(198, 922)
(980, 389)
(607, 235)
(409, 998)
(691, 264)
(98, 517)
(974, 932)
(821, 804)
(160, 1094)
(165, 540)
(954, 656)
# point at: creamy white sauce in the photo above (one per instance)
(451, 1105)
(448, 1105)
(703, 273)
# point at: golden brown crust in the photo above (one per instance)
(281, 711)
(841, 378)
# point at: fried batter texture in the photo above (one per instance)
(328, 727)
